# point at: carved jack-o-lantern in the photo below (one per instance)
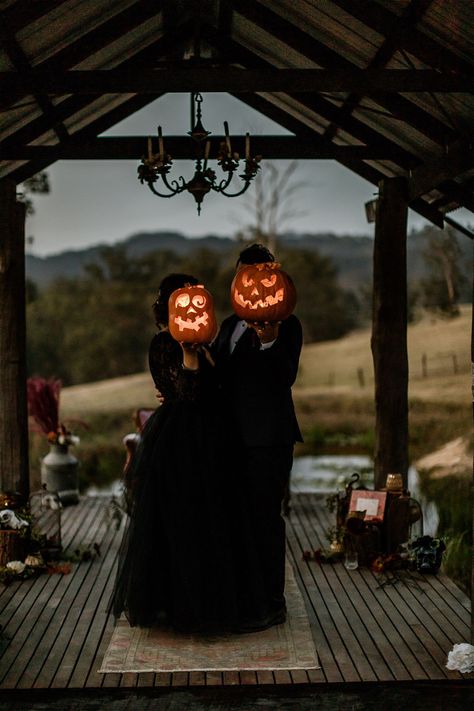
(191, 315)
(262, 292)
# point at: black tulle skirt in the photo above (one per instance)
(188, 558)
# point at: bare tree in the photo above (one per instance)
(270, 203)
(441, 290)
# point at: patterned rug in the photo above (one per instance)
(287, 646)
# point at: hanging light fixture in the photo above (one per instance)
(158, 165)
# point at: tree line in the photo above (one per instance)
(99, 326)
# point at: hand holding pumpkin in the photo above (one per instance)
(190, 355)
(267, 331)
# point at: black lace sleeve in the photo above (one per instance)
(171, 379)
(165, 361)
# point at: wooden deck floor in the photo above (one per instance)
(57, 628)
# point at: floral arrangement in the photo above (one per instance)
(461, 658)
(32, 562)
(43, 409)
(62, 436)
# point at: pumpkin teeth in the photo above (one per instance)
(269, 300)
(192, 325)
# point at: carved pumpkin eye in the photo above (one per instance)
(199, 301)
(271, 281)
(245, 281)
(182, 300)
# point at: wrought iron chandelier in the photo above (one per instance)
(158, 165)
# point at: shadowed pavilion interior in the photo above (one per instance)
(57, 627)
(384, 87)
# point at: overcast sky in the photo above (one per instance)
(94, 202)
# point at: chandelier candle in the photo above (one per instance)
(156, 166)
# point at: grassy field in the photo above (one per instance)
(328, 369)
(340, 366)
(334, 406)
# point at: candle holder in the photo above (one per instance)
(394, 482)
(158, 165)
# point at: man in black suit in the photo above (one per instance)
(257, 365)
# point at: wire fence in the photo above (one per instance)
(425, 366)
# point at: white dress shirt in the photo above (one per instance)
(238, 332)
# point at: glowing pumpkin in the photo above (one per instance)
(191, 315)
(262, 292)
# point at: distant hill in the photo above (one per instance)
(352, 255)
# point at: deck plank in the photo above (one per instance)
(358, 617)
(381, 651)
(31, 619)
(54, 628)
(355, 667)
(80, 619)
(59, 628)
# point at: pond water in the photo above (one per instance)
(325, 474)
(328, 473)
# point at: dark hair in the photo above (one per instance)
(169, 284)
(255, 254)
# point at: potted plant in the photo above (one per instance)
(59, 468)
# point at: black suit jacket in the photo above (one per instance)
(257, 384)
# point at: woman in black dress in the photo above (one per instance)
(188, 557)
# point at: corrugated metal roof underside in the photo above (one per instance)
(105, 34)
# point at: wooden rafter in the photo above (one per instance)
(92, 41)
(365, 170)
(218, 79)
(418, 43)
(21, 13)
(71, 105)
(457, 159)
(385, 52)
(325, 56)
(182, 147)
(20, 61)
(314, 102)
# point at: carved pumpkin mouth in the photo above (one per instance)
(260, 303)
(191, 325)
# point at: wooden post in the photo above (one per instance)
(472, 390)
(14, 470)
(424, 365)
(389, 332)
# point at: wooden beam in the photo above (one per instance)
(22, 65)
(182, 147)
(20, 14)
(414, 40)
(411, 15)
(325, 56)
(364, 170)
(389, 331)
(457, 159)
(14, 472)
(96, 39)
(472, 391)
(317, 104)
(212, 79)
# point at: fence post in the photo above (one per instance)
(360, 377)
(424, 365)
(455, 362)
